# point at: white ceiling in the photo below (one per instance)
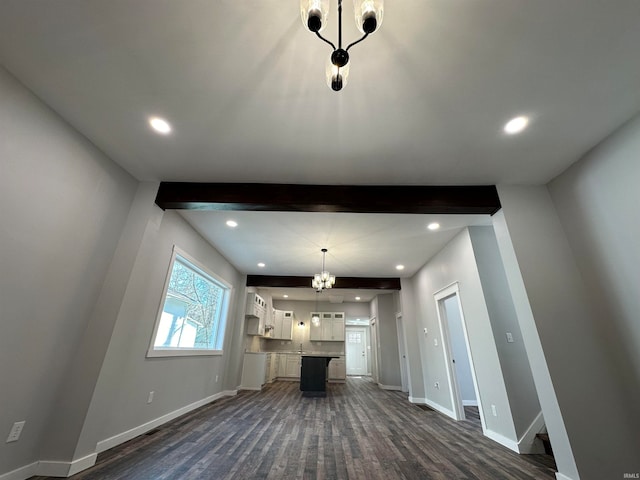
(242, 83)
(359, 245)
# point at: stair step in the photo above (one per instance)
(546, 442)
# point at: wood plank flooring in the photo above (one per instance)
(357, 432)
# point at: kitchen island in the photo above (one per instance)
(313, 375)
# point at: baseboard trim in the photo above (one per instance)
(562, 476)
(528, 443)
(418, 401)
(390, 387)
(253, 389)
(21, 473)
(51, 468)
(502, 440)
(111, 442)
(439, 408)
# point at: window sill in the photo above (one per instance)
(182, 352)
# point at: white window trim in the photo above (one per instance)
(153, 351)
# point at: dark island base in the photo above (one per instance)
(313, 375)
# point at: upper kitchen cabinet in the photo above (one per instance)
(256, 314)
(330, 328)
(282, 325)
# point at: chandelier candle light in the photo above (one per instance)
(323, 280)
(368, 20)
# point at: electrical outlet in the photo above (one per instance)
(509, 337)
(216, 378)
(435, 342)
(494, 411)
(425, 331)
(15, 432)
(437, 385)
(150, 399)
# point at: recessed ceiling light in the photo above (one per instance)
(399, 267)
(357, 298)
(433, 226)
(516, 125)
(285, 296)
(160, 125)
(232, 223)
(262, 265)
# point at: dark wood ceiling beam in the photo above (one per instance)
(341, 282)
(472, 199)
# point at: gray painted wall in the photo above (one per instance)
(127, 376)
(597, 201)
(413, 335)
(579, 294)
(456, 263)
(514, 362)
(383, 308)
(64, 206)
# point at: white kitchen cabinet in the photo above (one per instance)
(282, 365)
(256, 314)
(282, 325)
(292, 366)
(337, 328)
(253, 371)
(267, 368)
(330, 328)
(315, 330)
(337, 370)
(273, 370)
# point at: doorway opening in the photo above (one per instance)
(357, 344)
(463, 385)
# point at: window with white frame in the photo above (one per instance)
(193, 313)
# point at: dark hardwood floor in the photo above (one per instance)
(357, 432)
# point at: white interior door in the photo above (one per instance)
(356, 350)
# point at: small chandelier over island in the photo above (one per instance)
(324, 279)
(368, 14)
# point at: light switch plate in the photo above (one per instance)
(15, 432)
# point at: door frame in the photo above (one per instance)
(405, 372)
(374, 349)
(454, 389)
(366, 343)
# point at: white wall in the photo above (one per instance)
(63, 206)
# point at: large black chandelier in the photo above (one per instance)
(368, 19)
